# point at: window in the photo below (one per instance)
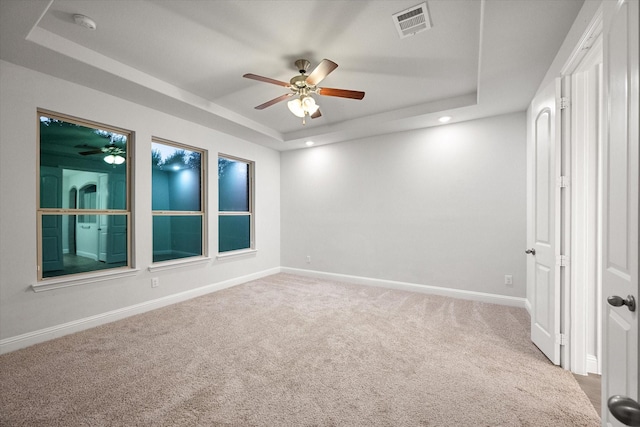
(235, 204)
(83, 209)
(177, 200)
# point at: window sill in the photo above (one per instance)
(236, 254)
(169, 265)
(65, 282)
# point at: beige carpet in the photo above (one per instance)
(293, 351)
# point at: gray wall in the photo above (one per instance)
(444, 206)
(23, 311)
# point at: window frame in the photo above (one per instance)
(202, 212)
(92, 275)
(250, 212)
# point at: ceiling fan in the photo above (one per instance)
(107, 149)
(303, 85)
(113, 154)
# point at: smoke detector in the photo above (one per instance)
(412, 21)
(84, 21)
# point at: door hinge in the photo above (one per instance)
(562, 260)
(561, 339)
(563, 181)
(563, 103)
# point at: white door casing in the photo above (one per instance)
(103, 225)
(582, 131)
(543, 225)
(86, 226)
(620, 161)
(585, 140)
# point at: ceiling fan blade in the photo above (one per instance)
(316, 114)
(86, 153)
(266, 80)
(342, 93)
(321, 71)
(274, 101)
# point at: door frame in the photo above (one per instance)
(574, 313)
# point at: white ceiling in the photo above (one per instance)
(187, 58)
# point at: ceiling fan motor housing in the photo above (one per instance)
(299, 82)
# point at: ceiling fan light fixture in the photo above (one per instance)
(309, 105)
(295, 106)
(114, 160)
(303, 106)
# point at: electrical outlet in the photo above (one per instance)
(155, 282)
(308, 259)
(508, 279)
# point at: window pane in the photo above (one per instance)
(70, 247)
(234, 232)
(176, 237)
(233, 185)
(175, 178)
(72, 157)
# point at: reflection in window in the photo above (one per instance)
(87, 200)
(177, 201)
(234, 232)
(235, 206)
(85, 248)
(76, 176)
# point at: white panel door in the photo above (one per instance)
(620, 157)
(51, 197)
(543, 221)
(117, 224)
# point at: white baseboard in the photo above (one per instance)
(87, 255)
(413, 287)
(592, 364)
(527, 305)
(46, 334)
(15, 343)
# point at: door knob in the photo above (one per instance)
(530, 251)
(617, 301)
(625, 409)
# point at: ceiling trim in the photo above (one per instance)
(424, 114)
(80, 53)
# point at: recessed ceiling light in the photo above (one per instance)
(444, 119)
(84, 21)
(309, 143)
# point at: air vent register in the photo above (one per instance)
(412, 21)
